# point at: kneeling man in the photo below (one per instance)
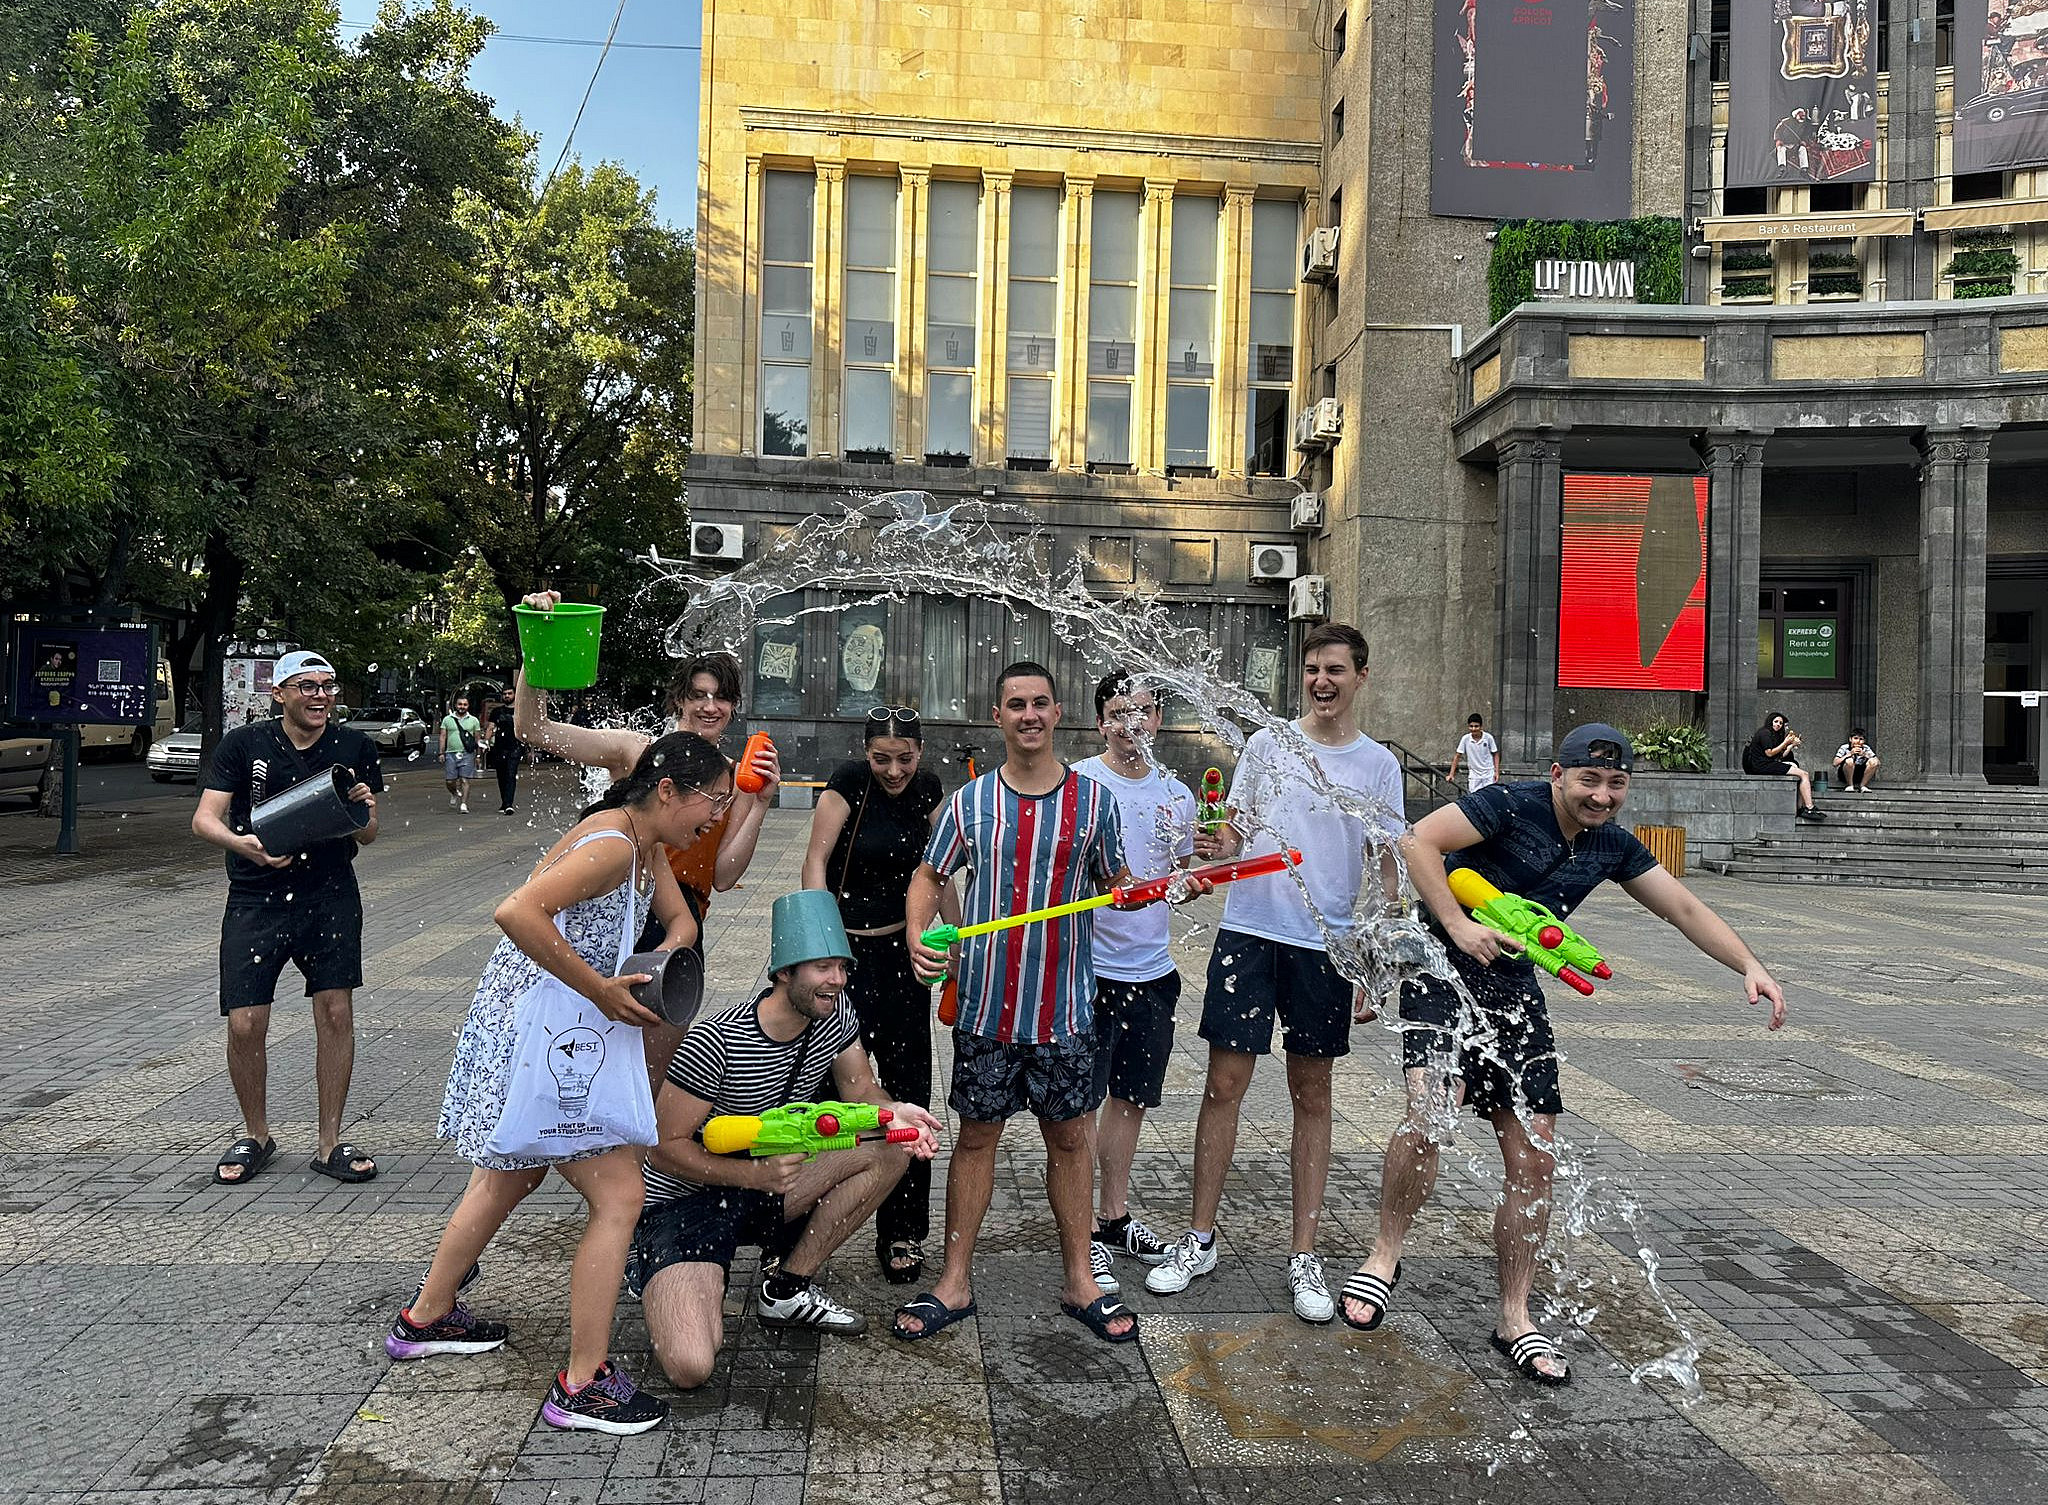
(778, 1049)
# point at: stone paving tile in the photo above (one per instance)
(1850, 1217)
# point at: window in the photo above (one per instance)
(1337, 122)
(778, 659)
(1745, 201)
(1802, 635)
(944, 678)
(1717, 40)
(1034, 320)
(863, 657)
(870, 319)
(1968, 187)
(1337, 34)
(1112, 327)
(952, 289)
(1835, 198)
(786, 312)
(1276, 242)
(1191, 332)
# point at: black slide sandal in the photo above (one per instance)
(249, 1155)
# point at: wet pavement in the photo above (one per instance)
(1851, 1218)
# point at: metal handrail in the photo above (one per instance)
(1436, 786)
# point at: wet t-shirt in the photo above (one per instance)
(253, 763)
(1524, 853)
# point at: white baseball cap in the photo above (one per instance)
(298, 663)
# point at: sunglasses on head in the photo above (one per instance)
(892, 713)
(894, 721)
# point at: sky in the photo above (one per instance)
(643, 112)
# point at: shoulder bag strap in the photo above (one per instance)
(845, 867)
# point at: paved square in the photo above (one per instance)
(1850, 1218)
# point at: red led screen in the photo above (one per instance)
(1632, 592)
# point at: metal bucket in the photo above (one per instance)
(314, 810)
(677, 991)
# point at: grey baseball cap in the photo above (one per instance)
(1576, 751)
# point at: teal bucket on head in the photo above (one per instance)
(805, 927)
(560, 646)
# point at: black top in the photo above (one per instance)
(255, 762)
(504, 740)
(1756, 754)
(1524, 853)
(887, 846)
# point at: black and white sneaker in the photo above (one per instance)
(1144, 1245)
(460, 1332)
(1102, 1261)
(469, 1278)
(611, 1403)
(811, 1308)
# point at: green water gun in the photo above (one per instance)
(803, 1129)
(1546, 940)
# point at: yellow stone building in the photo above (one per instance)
(1049, 255)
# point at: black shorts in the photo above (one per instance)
(994, 1081)
(1512, 1057)
(1767, 767)
(1252, 979)
(320, 932)
(1134, 1037)
(709, 1226)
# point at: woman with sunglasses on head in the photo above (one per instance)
(566, 919)
(703, 697)
(873, 819)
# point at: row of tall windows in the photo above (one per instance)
(953, 302)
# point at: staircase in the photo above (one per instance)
(1985, 838)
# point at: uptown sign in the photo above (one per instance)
(1560, 281)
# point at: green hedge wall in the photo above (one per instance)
(1656, 245)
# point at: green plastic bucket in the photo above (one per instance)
(560, 646)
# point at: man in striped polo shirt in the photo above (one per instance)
(1033, 833)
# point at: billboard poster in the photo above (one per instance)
(1532, 109)
(65, 675)
(2001, 85)
(1632, 586)
(1802, 104)
(245, 692)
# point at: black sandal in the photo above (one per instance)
(247, 1154)
(1099, 1313)
(901, 1275)
(339, 1164)
(1526, 1350)
(1374, 1292)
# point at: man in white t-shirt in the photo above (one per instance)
(1136, 986)
(1271, 956)
(1481, 754)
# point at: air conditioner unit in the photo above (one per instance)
(1319, 255)
(718, 540)
(1326, 420)
(1308, 599)
(1309, 510)
(1275, 561)
(1305, 438)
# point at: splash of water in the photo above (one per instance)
(903, 545)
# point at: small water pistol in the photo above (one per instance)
(1546, 940)
(1213, 815)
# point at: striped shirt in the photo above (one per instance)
(729, 1061)
(1028, 984)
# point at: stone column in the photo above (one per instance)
(1070, 437)
(828, 301)
(1735, 518)
(1528, 498)
(1148, 394)
(910, 262)
(748, 421)
(1954, 508)
(1233, 349)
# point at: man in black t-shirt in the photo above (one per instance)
(1552, 843)
(506, 751)
(301, 907)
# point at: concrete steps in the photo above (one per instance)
(1991, 839)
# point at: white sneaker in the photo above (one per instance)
(1190, 1260)
(1102, 1261)
(811, 1308)
(465, 807)
(452, 802)
(1312, 1301)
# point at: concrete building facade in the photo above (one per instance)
(906, 209)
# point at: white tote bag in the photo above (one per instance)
(579, 1079)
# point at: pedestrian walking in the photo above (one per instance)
(506, 753)
(874, 818)
(461, 735)
(301, 907)
(1481, 755)
(569, 926)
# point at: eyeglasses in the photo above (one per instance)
(885, 713)
(315, 686)
(720, 803)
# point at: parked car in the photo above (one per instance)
(176, 756)
(394, 728)
(27, 762)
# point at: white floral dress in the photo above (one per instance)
(477, 1082)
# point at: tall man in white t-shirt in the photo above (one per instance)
(1271, 958)
(1481, 754)
(1136, 986)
